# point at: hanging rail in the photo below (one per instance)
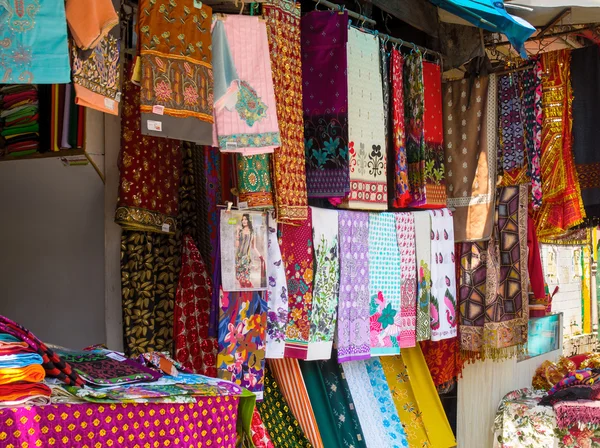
(355, 15)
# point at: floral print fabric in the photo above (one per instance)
(402, 191)
(297, 253)
(254, 180)
(324, 39)
(384, 284)
(405, 233)
(366, 126)
(326, 283)
(242, 324)
(531, 105)
(353, 337)
(444, 319)
(423, 262)
(277, 295)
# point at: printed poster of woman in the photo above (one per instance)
(243, 250)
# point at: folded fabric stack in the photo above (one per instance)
(21, 374)
(20, 120)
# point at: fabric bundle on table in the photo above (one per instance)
(297, 255)
(325, 103)
(326, 284)
(177, 74)
(24, 393)
(20, 120)
(150, 170)
(493, 283)
(242, 323)
(366, 125)
(562, 206)
(35, 48)
(254, 180)
(244, 96)
(283, 29)
(353, 329)
(444, 319)
(401, 196)
(470, 125)
(585, 67)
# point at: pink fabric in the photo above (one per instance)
(573, 413)
(405, 232)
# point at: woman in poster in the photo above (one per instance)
(245, 245)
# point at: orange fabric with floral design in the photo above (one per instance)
(443, 359)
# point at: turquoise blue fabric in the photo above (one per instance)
(388, 411)
(4, 337)
(34, 37)
(20, 360)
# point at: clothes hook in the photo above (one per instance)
(317, 5)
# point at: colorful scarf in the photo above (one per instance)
(150, 170)
(444, 319)
(282, 426)
(35, 45)
(538, 301)
(333, 405)
(585, 66)
(90, 23)
(531, 105)
(373, 415)
(353, 334)
(33, 373)
(277, 294)
(289, 378)
(323, 316)
(245, 109)
(470, 125)
(423, 263)
(366, 126)
(401, 188)
(242, 323)
(405, 233)
(97, 79)
(384, 69)
(297, 253)
(414, 99)
(443, 360)
(193, 346)
(18, 391)
(404, 399)
(384, 284)
(19, 360)
(254, 180)
(511, 125)
(494, 309)
(283, 30)
(177, 75)
(562, 207)
(325, 103)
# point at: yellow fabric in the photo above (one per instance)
(32, 374)
(586, 281)
(434, 418)
(404, 399)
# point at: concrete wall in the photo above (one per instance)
(52, 250)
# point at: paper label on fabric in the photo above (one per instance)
(158, 109)
(197, 4)
(242, 205)
(118, 97)
(166, 228)
(230, 146)
(109, 104)
(116, 356)
(155, 125)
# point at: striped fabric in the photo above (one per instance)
(289, 378)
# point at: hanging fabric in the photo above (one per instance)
(90, 22)
(290, 380)
(539, 302)
(414, 99)
(260, 436)
(193, 346)
(277, 294)
(493, 283)
(244, 97)
(404, 398)
(423, 263)
(562, 206)
(400, 168)
(177, 72)
(366, 126)
(444, 319)
(149, 171)
(208, 195)
(384, 284)
(470, 127)
(443, 359)
(405, 234)
(297, 253)
(254, 180)
(353, 330)
(323, 316)
(283, 30)
(325, 103)
(585, 67)
(282, 426)
(241, 358)
(333, 404)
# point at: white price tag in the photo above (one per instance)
(155, 125)
(116, 356)
(109, 104)
(166, 228)
(230, 146)
(242, 205)
(158, 109)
